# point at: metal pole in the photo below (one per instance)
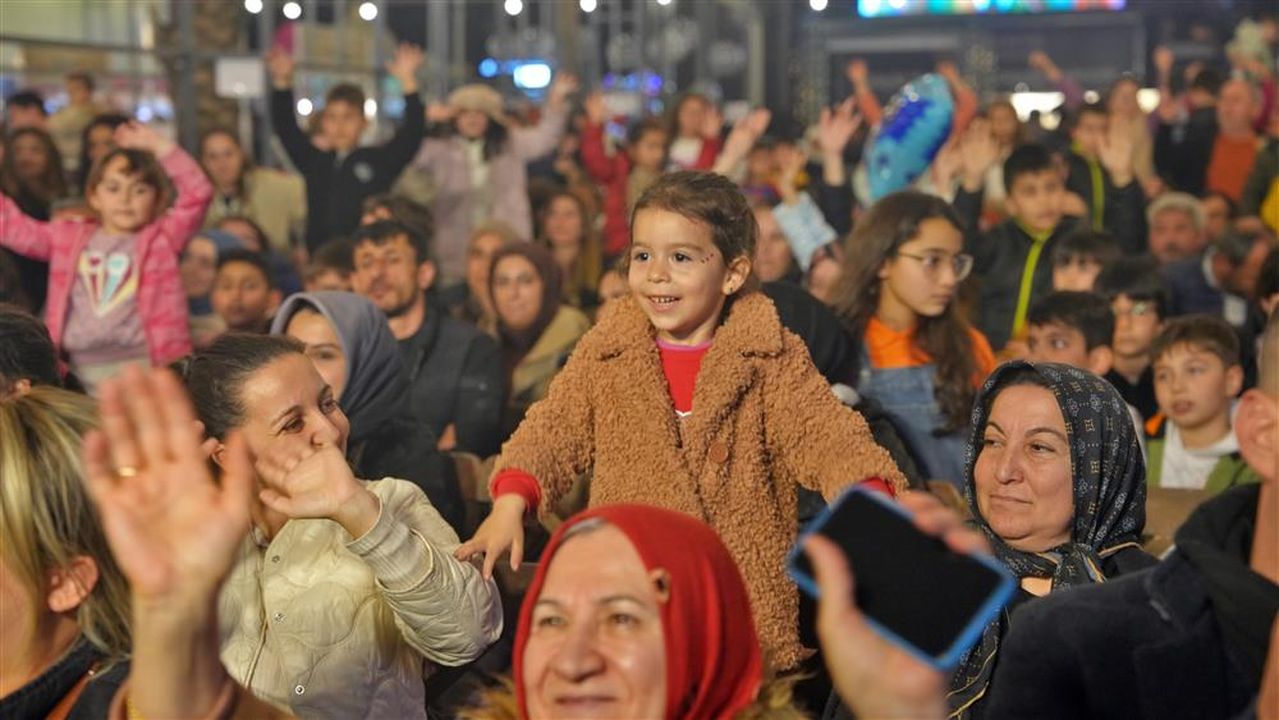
(437, 29)
(457, 69)
(266, 37)
(186, 111)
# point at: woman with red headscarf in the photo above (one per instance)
(637, 612)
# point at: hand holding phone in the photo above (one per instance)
(921, 581)
(875, 673)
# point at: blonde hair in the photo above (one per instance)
(47, 518)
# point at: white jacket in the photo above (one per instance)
(326, 626)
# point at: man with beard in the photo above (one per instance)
(454, 370)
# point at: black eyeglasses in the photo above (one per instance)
(962, 263)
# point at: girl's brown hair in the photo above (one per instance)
(137, 163)
(246, 160)
(52, 183)
(590, 258)
(890, 223)
(707, 198)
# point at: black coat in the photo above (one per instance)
(1121, 207)
(455, 378)
(1142, 646)
(337, 187)
(401, 448)
(1183, 151)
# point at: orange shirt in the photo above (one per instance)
(1231, 164)
(890, 349)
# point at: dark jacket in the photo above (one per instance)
(39, 697)
(1189, 290)
(1121, 208)
(1184, 150)
(455, 378)
(1144, 646)
(337, 186)
(999, 256)
(1263, 176)
(400, 448)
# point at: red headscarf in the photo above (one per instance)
(714, 666)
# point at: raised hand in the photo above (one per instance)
(977, 153)
(875, 677)
(438, 112)
(1040, 61)
(712, 122)
(835, 128)
(136, 136)
(501, 531)
(403, 66)
(858, 72)
(596, 110)
(948, 70)
(317, 483)
(1163, 59)
(173, 528)
(1116, 154)
(746, 133)
(562, 86)
(280, 66)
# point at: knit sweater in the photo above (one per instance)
(764, 422)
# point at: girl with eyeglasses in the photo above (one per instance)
(920, 359)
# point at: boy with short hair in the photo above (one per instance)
(244, 293)
(1091, 178)
(1139, 300)
(330, 267)
(339, 177)
(1197, 377)
(1010, 258)
(1080, 257)
(1075, 328)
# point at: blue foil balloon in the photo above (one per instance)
(915, 126)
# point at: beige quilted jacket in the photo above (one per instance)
(326, 626)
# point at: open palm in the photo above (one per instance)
(172, 527)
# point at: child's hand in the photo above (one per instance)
(977, 153)
(712, 123)
(596, 111)
(280, 65)
(1116, 154)
(836, 128)
(404, 66)
(1163, 59)
(858, 72)
(562, 86)
(949, 71)
(502, 530)
(1040, 61)
(438, 112)
(136, 136)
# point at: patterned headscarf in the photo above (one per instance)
(1109, 487)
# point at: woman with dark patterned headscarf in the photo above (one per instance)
(1055, 479)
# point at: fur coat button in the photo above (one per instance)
(717, 452)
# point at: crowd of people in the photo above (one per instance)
(513, 416)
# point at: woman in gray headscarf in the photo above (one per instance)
(347, 338)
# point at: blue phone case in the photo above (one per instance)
(947, 661)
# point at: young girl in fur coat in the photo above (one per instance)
(690, 395)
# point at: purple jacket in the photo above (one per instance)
(161, 299)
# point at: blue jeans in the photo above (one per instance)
(906, 395)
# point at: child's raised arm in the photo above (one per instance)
(22, 233)
(298, 146)
(540, 140)
(398, 152)
(194, 191)
(822, 443)
(597, 162)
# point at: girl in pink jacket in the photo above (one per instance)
(115, 296)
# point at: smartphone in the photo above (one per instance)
(913, 589)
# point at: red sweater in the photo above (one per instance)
(612, 172)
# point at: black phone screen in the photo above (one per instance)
(910, 583)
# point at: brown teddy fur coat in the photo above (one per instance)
(763, 421)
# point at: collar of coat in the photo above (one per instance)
(751, 329)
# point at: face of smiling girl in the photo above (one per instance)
(679, 277)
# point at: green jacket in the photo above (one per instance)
(1230, 470)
